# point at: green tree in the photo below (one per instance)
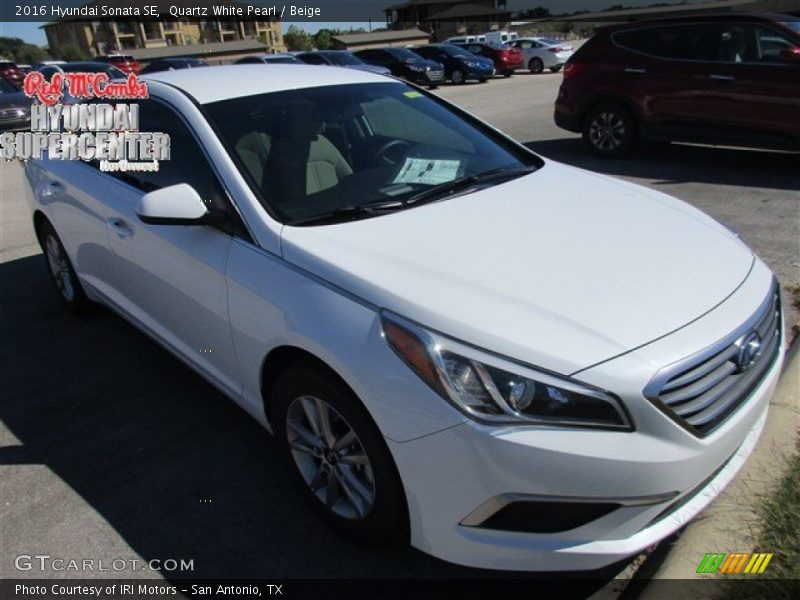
(20, 51)
(298, 39)
(72, 52)
(322, 39)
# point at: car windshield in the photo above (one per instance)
(344, 59)
(456, 51)
(403, 54)
(7, 88)
(359, 150)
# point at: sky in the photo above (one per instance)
(30, 32)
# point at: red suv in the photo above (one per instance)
(11, 73)
(726, 80)
(124, 62)
(506, 59)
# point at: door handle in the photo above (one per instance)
(635, 70)
(121, 228)
(722, 77)
(53, 188)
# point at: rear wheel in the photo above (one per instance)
(61, 271)
(457, 76)
(337, 455)
(609, 130)
(535, 65)
(508, 73)
(555, 69)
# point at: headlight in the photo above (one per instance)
(493, 389)
(416, 68)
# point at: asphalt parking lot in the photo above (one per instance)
(110, 448)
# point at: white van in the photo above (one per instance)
(466, 39)
(500, 37)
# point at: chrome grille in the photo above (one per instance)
(705, 389)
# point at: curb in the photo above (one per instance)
(727, 524)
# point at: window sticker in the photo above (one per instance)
(412, 94)
(427, 171)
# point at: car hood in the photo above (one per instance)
(14, 100)
(561, 268)
(372, 69)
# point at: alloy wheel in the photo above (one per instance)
(607, 131)
(457, 77)
(330, 457)
(59, 268)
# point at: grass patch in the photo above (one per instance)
(779, 532)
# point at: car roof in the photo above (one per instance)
(235, 81)
(704, 18)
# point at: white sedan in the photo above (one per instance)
(518, 364)
(543, 53)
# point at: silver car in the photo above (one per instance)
(15, 108)
(543, 53)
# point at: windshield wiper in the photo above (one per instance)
(345, 213)
(462, 184)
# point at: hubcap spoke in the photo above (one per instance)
(330, 457)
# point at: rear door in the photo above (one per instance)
(172, 277)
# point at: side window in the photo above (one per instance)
(682, 42)
(769, 44)
(313, 59)
(187, 163)
(525, 45)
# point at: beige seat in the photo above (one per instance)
(325, 166)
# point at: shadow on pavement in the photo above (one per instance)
(143, 440)
(666, 164)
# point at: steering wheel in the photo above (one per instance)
(384, 154)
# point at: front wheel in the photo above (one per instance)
(508, 73)
(457, 77)
(555, 69)
(609, 130)
(337, 455)
(536, 65)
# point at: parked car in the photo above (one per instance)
(506, 59)
(266, 58)
(730, 79)
(80, 67)
(341, 58)
(172, 64)
(124, 62)
(15, 108)
(459, 65)
(519, 364)
(405, 64)
(10, 72)
(539, 55)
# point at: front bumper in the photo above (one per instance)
(659, 476)
(479, 72)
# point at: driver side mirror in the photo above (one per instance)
(791, 55)
(177, 204)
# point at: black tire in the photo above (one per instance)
(432, 87)
(555, 69)
(482, 80)
(535, 65)
(385, 520)
(609, 130)
(61, 272)
(457, 77)
(508, 73)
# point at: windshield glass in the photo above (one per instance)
(311, 151)
(344, 59)
(456, 51)
(403, 54)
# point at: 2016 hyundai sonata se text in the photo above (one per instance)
(516, 363)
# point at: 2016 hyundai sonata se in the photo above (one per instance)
(519, 364)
